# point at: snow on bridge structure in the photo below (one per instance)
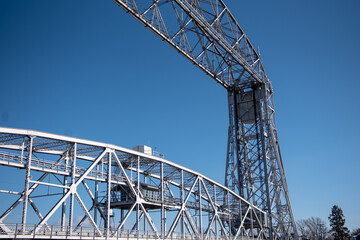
(102, 191)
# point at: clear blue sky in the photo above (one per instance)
(87, 69)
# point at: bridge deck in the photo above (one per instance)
(54, 232)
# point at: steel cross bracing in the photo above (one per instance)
(76, 189)
(207, 34)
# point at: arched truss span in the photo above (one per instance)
(114, 191)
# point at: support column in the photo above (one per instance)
(138, 196)
(216, 230)
(137, 220)
(145, 229)
(182, 203)
(163, 214)
(122, 219)
(96, 195)
(261, 96)
(228, 206)
(63, 210)
(22, 150)
(108, 196)
(27, 181)
(200, 210)
(72, 197)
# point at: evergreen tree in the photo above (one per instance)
(337, 222)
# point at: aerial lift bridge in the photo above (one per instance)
(253, 204)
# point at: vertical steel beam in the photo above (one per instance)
(95, 201)
(22, 150)
(63, 210)
(229, 210)
(144, 219)
(260, 98)
(108, 196)
(137, 219)
(216, 229)
(163, 217)
(138, 196)
(200, 210)
(230, 160)
(182, 203)
(73, 191)
(241, 217)
(27, 181)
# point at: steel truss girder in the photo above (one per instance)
(207, 34)
(190, 203)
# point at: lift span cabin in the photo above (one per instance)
(122, 198)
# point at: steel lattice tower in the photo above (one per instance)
(151, 193)
(207, 34)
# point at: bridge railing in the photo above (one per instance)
(20, 231)
(10, 157)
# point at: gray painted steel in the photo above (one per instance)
(207, 34)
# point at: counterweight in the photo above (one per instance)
(207, 34)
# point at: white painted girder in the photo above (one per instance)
(176, 180)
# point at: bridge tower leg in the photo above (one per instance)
(254, 166)
(27, 182)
